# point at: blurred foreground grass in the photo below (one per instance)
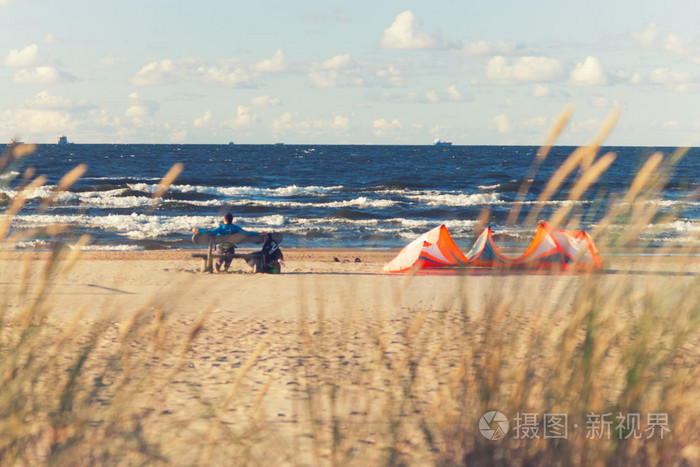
(599, 369)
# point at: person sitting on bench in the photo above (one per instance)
(228, 227)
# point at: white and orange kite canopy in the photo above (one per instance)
(550, 248)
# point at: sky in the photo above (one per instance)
(492, 72)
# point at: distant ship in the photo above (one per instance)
(63, 140)
(439, 142)
(14, 142)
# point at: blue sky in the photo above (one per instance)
(320, 72)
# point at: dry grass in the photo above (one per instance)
(403, 389)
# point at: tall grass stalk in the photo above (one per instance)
(394, 387)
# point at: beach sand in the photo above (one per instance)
(345, 282)
(242, 367)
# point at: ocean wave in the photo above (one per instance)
(682, 226)
(103, 247)
(361, 201)
(8, 176)
(239, 191)
(434, 198)
(686, 225)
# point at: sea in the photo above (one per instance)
(328, 196)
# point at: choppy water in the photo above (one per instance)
(324, 196)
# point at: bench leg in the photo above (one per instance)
(204, 265)
(209, 266)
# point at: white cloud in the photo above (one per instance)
(265, 101)
(178, 136)
(404, 34)
(454, 94)
(541, 90)
(523, 69)
(588, 73)
(501, 123)
(155, 73)
(140, 108)
(536, 69)
(168, 71)
(293, 122)
(485, 48)
(592, 125)
(30, 121)
(339, 123)
(432, 96)
(221, 75)
(137, 111)
(23, 58)
(323, 80)
(678, 82)
(337, 63)
(478, 48)
(538, 123)
(392, 75)
(229, 73)
(666, 76)
(283, 123)
(49, 39)
(325, 75)
(42, 75)
(382, 126)
(630, 77)
(110, 60)
(244, 117)
(101, 118)
(686, 88)
(45, 101)
(673, 44)
(275, 64)
(202, 121)
(647, 37)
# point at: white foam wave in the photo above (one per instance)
(33, 245)
(240, 191)
(37, 193)
(683, 226)
(46, 245)
(113, 179)
(97, 247)
(434, 198)
(142, 226)
(362, 202)
(9, 175)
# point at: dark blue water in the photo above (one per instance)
(326, 196)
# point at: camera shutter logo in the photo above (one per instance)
(493, 425)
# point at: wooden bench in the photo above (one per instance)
(208, 258)
(211, 240)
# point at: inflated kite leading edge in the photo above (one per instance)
(550, 248)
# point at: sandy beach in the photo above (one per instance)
(229, 347)
(345, 281)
